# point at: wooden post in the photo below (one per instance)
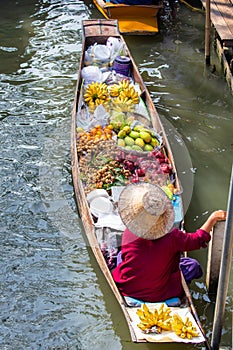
(224, 273)
(214, 258)
(207, 33)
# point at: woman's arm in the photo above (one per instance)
(218, 215)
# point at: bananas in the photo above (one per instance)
(131, 94)
(183, 329)
(126, 96)
(161, 320)
(122, 104)
(96, 94)
(117, 89)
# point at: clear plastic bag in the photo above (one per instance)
(91, 73)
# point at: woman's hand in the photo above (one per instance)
(218, 215)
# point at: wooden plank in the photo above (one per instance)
(226, 10)
(214, 257)
(222, 19)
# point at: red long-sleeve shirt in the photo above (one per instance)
(149, 270)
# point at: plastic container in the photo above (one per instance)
(177, 206)
(122, 65)
(101, 205)
(99, 192)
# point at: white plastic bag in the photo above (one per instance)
(91, 73)
(115, 46)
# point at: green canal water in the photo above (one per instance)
(52, 294)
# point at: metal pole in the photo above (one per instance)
(207, 33)
(224, 273)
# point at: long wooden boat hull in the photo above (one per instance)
(98, 31)
(132, 19)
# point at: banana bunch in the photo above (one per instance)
(183, 329)
(131, 94)
(126, 96)
(117, 89)
(96, 93)
(159, 318)
(122, 104)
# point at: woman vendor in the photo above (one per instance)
(151, 248)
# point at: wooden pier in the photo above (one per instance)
(221, 17)
(221, 14)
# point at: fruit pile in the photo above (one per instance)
(103, 164)
(153, 167)
(125, 97)
(183, 328)
(137, 138)
(161, 319)
(132, 135)
(96, 94)
(88, 140)
(98, 163)
(120, 119)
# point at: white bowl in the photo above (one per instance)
(99, 192)
(101, 205)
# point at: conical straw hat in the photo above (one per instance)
(146, 210)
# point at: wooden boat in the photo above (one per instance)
(103, 235)
(132, 19)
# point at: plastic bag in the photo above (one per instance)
(91, 73)
(97, 54)
(100, 116)
(116, 47)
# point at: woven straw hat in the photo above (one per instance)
(146, 210)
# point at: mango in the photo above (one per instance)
(121, 134)
(129, 141)
(154, 142)
(121, 143)
(138, 128)
(137, 148)
(139, 142)
(127, 129)
(145, 136)
(148, 147)
(134, 134)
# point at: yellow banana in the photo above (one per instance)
(183, 329)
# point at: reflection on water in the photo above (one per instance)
(50, 286)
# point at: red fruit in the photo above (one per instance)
(141, 172)
(166, 168)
